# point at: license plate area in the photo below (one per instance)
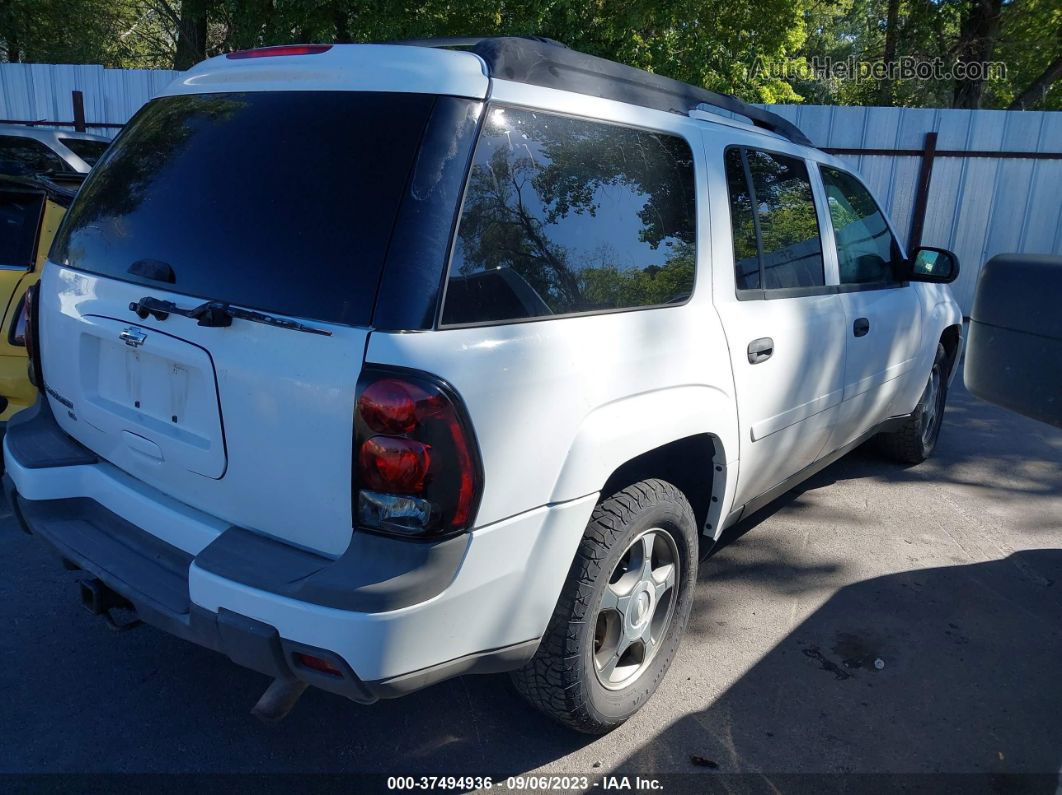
(161, 388)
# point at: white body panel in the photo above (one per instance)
(878, 364)
(304, 409)
(789, 403)
(414, 70)
(504, 594)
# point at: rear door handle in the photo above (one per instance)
(760, 350)
(861, 327)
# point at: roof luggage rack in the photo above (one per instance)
(544, 62)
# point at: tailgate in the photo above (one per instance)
(250, 423)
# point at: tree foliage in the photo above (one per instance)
(714, 43)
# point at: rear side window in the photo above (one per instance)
(564, 216)
(20, 220)
(278, 201)
(28, 156)
(867, 252)
(89, 151)
(771, 203)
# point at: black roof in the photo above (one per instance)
(544, 62)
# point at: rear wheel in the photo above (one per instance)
(914, 441)
(622, 612)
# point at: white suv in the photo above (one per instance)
(374, 365)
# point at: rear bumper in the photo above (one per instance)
(392, 615)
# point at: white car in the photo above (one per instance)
(374, 365)
(28, 150)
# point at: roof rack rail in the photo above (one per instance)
(544, 62)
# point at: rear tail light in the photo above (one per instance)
(17, 333)
(283, 49)
(416, 465)
(31, 335)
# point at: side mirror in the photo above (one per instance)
(933, 265)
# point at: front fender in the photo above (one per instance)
(942, 313)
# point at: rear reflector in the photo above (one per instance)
(17, 334)
(316, 664)
(284, 49)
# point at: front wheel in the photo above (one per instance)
(914, 441)
(622, 612)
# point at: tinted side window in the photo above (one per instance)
(26, 155)
(790, 246)
(563, 215)
(742, 223)
(867, 253)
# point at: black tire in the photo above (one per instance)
(561, 679)
(914, 441)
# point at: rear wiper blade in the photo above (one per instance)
(216, 314)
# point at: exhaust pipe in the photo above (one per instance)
(278, 700)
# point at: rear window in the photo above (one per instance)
(278, 201)
(20, 218)
(89, 151)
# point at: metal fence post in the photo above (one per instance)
(79, 111)
(921, 200)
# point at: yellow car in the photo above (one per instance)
(30, 211)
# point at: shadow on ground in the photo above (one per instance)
(951, 669)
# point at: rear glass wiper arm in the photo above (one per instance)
(215, 314)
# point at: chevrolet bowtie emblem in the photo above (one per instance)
(133, 337)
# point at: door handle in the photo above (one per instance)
(861, 327)
(760, 350)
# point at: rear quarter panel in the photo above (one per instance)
(558, 405)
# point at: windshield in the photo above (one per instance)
(278, 201)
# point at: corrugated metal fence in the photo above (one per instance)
(993, 183)
(42, 92)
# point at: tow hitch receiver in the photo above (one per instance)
(100, 600)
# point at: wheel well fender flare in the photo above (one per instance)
(618, 432)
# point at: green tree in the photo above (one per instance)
(714, 43)
(1024, 35)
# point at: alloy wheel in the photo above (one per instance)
(636, 609)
